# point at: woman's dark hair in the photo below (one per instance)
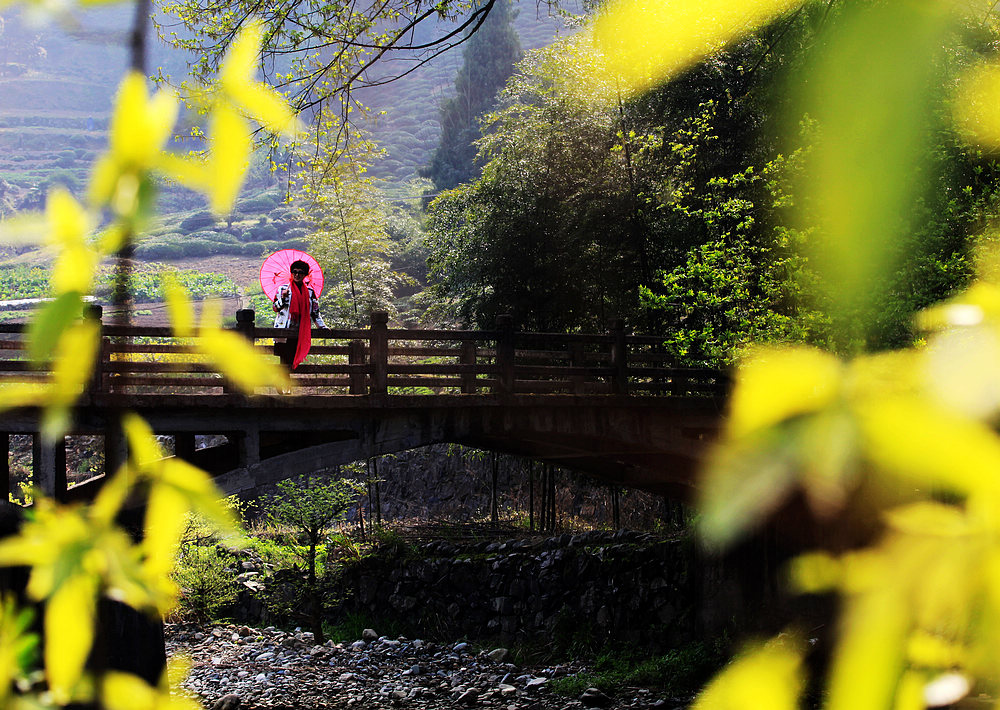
(299, 264)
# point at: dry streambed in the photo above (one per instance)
(269, 668)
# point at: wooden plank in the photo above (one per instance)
(435, 369)
(119, 381)
(320, 381)
(564, 371)
(455, 352)
(155, 348)
(116, 366)
(317, 333)
(442, 335)
(425, 382)
(305, 369)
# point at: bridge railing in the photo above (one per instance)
(380, 360)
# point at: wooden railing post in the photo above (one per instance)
(379, 352)
(619, 358)
(468, 358)
(5, 465)
(505, 355)
(94, 312)
(356, 356)
(48, 464)
(245, 327)
(576, 361)
(245, 323)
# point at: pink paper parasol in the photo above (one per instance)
(275, 271)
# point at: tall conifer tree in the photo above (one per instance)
(488, 61)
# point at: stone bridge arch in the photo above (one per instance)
(653, 446)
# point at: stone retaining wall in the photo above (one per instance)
(599, 585)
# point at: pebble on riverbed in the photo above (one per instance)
(247, 668)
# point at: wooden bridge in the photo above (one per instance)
(606, 404)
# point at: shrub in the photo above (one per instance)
(213, 236)
(297, 233)
(253, 249)
(151, 251)
(197, 221)
(201, 247)
(206, 577)
(264, 202)
(263, 232)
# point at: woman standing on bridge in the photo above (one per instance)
(296, 304)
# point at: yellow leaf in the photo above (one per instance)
(179, 307)
(926, 650)
(767, 677)
(239, 65)
(815, 572)
(142, 443)
(647, 41)
(110, 497)
(68, 221)
(869, 659)
(123, 691)
(165, 522)
(267, 107)
(189, 172)
(69, 633)
(229, 154)
(23, 228)
(233, 355)
(777, 384)
(910, 695)
(201, 493)
(23, 394)
(140, 126)
(929, 446)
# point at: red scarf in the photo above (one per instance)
(301, 308)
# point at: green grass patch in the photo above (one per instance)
(677, 673)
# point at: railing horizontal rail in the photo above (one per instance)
(383, 360)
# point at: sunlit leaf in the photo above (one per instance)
(267, 107)
(910, 694)
(178, 306)
(235, 357)
(201, 493)
(928, 446)
(69, 633)
(929, 651)
(165, 522)
(49, 324)
(23, 394)
(767, 677)
(230, 149)
(141, 124)
(142, 444)
(776, 384)
(23, 228)
(870, 89)
(74, 361)
(815, 572)
(869, 658)
(123, 691)
(647, 41)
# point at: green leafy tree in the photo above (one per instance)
(487, 62)
(310, 508)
